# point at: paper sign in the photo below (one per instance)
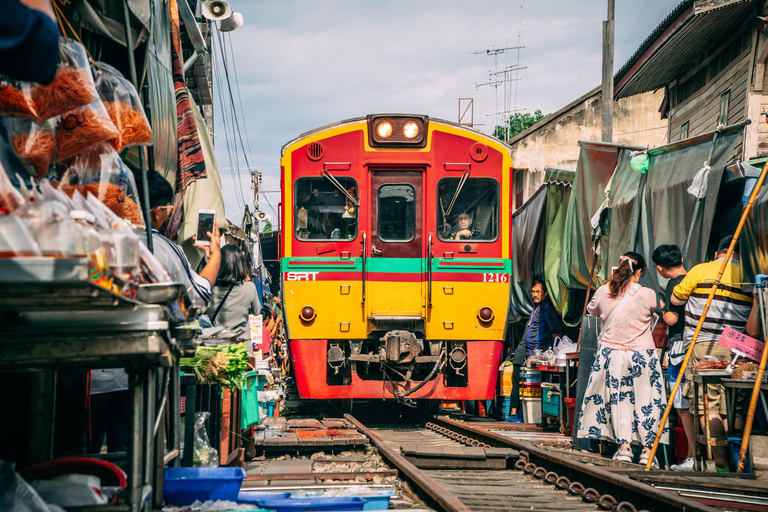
(735, 340)
(254, 322)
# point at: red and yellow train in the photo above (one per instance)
(395, 258)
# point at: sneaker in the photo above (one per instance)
(624, 454)
(644, 459)
(686, 465)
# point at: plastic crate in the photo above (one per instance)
(507, 381)
(254, 497)
(505, 407)
(308, 504)
(250, 400)
(530, 392)
(735, 443)
(550, 397)
(530, 375)
(184, 486)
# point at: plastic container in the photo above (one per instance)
(256, 496)
(121, 249)
(377, 500)
(184, 486)
(735, 443)
(527, 375)
(16, 238)
(250, 401)
(62, 238)
(505, 407)
(530, 389)
(550, 396)
(507, 381)
(310, 504)
(531, 409)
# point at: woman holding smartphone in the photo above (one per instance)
(234, 296)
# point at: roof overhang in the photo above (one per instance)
(690, 31)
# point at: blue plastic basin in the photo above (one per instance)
(378, 500)
(314, 504)
(256, 496)
(183, 486)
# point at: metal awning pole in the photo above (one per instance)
(142, 155)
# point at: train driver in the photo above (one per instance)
(464, 230)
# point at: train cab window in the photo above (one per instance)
(467, 209)
(322, 211)
(396, 213)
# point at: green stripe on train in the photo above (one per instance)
(397, 265)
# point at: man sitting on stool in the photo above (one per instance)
(540, 332)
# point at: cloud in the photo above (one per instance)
(304, 64)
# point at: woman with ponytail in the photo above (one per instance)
(625, 397)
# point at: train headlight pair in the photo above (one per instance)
(385, 129)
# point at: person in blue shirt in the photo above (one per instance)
(540, 332)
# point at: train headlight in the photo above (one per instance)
(411, 130)
(385, 129)
(485, 315)
(307, 313)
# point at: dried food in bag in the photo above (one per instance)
(79, 129)
(33, 143)
(121, 100)
(72, 87)
(100, 171)
(16, 99)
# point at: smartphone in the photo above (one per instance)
(205, 220)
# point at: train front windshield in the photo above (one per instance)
(468, 209)
(323, 211)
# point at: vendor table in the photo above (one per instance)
(699, 379)
(119, 334)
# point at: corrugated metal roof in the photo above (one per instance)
(680, 39)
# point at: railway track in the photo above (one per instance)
(533, 479)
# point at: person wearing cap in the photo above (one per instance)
(464, 229)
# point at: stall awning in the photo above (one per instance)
(528, 242)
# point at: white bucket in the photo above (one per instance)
(531, 409)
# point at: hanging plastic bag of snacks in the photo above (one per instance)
(72, 87)
(33, 143)
(10, 198)
(16, 99)
(101, 172)
(79, 129)
(124, 108)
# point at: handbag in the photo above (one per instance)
(677, 349)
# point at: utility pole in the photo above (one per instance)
(607, 90)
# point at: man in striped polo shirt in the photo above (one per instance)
(730, 307)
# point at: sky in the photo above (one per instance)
(298, 65)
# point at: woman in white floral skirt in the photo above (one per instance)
(625, 397)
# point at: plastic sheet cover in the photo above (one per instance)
(754, 239)
(528, 244)
(667, 208)
(594, 169)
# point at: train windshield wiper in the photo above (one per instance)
(462, 181)
(330, 177)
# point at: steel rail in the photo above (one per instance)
(442, 496)
(639, 494)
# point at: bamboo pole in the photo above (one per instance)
(703, 318)
(755, 394)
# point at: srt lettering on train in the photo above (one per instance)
(301, 276)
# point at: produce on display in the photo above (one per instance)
(124, 108)
(16, 99)
(222, 364)
(72, 87)
(34, 143)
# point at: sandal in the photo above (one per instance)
(623, 454)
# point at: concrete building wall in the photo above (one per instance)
(554, 141)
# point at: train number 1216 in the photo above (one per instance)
(489, 277)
